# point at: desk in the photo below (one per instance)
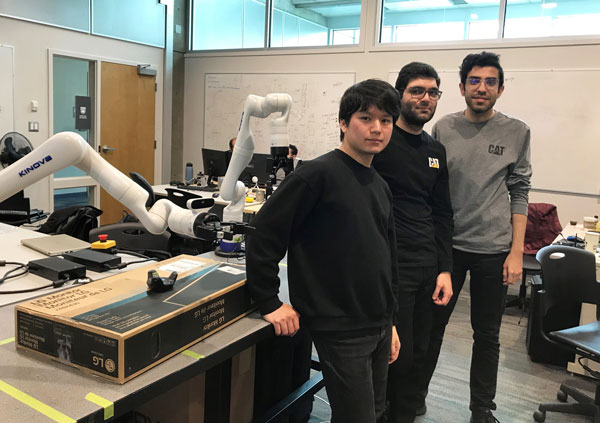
(12, 250)
(32, 388)
(249, 208)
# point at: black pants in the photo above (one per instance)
(414, 330)
(488, 296)
(354, 365)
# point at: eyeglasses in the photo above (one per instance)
(419, 92)
(490, 82)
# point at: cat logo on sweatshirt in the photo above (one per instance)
(496, 149)
(433, 162)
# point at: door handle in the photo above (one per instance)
(106, 149)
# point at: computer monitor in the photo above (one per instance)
(215, 162)
(257, 167)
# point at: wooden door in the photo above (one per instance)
(127, 126)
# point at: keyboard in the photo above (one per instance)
(199, 188)
(30, 216)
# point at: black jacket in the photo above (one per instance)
(334, 218)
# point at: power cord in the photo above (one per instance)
(9, 274)
(53, 284)
(593, 372)
(132, 253)
(124, 265)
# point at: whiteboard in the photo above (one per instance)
(561, 108)
(313, 126)
(7, 123)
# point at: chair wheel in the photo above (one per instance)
(539, 416)
(561, 396)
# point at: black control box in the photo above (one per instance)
(95, 261)
(55, 268)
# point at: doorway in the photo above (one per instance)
(127, 127)
(126, 137)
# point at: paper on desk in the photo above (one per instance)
(183, 265)
(232, 270)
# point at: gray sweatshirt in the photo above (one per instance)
(490, 170)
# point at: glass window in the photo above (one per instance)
(228, 24)
(238, 24)
(74, 14)
(344, 36)
(439, 20)
(297, 26)
(72, 77)
(546, 18)
(429, 32)
(481, 30)
(141, 21)
(68, 197)
(291, 31)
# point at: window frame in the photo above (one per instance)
(497, 43)
(268, 50)
(371, 20)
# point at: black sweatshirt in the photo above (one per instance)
(414, 166)
(334, 217)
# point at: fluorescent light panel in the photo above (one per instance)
(551, 5)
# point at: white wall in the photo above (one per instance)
(31, 43)
(377, 62)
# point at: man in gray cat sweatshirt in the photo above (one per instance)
(489, 175)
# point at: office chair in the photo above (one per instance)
(569, 278)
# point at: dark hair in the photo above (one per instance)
(231, 144)
(485, 58)
(371, 92)
(415, 70)
(294, 149)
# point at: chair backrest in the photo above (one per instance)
(569, 276)
(143, 182)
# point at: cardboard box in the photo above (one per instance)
(117, 329)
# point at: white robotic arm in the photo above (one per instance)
(231, 189)
(68, 148)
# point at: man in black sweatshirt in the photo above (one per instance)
(334, 218)
(414, 166)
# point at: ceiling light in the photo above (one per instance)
(549, 5)
(417, 5)
(482, 2)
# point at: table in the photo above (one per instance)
(12, 250)
(36, 390)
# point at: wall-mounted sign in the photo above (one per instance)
(83, 113)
